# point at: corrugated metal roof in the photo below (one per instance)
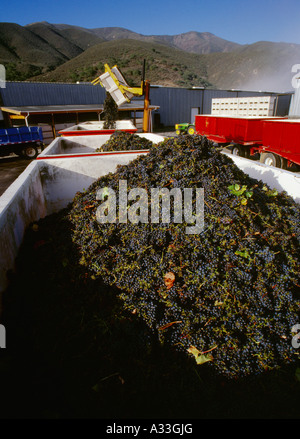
(18, 94)
(53, 109)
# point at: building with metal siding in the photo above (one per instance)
(19, 94)
(174, 104)
(180, 105)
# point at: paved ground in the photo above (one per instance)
(167, 134)
(10, 168)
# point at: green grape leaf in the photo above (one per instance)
(244, 253)
(199, 356)
(201, 359)
(236, 189)
(193, 350)
(273, 193)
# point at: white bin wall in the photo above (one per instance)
(74, 145)
(22, 203)
(275, 178)
(62, 178)
(85, 144)
(94, 125)
(45, 187)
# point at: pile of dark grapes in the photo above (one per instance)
(123, 141)
(110, 110)
(234, 296)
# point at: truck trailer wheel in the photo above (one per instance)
(270, 159)
(30, 152)
(283, 163)
(191, 130)
(240, 150)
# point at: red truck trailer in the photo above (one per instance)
(231, 130)
(275, 141)
(281, 143)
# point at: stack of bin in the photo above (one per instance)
(261, 106)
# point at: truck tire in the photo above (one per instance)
(30, 152)
(283, 163)
(270, 159)
(240, 150)
(191, 130)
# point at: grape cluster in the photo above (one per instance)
(123, 141)
(235, 297)
(110, 110)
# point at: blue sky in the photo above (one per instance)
(241, 21)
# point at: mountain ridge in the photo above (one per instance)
(63, 52)
(191, 41)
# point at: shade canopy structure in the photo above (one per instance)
(56, 116)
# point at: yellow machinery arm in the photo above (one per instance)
(115, 84)
(113, 81)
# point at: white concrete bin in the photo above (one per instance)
(47, 186)
(97, 127)
(81, 146)
(276, 178)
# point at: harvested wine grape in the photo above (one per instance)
(110, 110)
(232, 298)
(122, 141)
